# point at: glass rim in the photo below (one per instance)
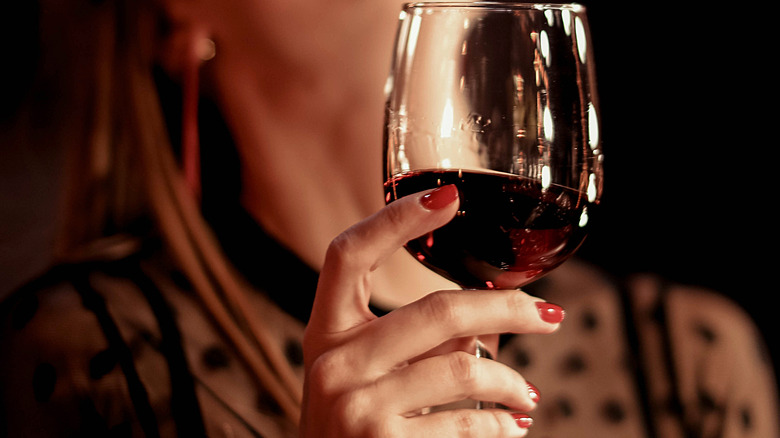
(495, 5)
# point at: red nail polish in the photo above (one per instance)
(440, 198)
(533, 392)
(550, 312)
(523, 421)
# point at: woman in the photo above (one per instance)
(143, 326)
(153, 322)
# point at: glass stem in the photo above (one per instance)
(482, 352)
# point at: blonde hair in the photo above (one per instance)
(122, 168)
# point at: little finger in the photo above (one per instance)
(469, 423)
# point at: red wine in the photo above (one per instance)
(508, 230)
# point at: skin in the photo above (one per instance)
(301, 85)
(360, 369)
(298, 79)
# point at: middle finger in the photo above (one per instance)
(416, 328)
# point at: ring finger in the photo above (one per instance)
(453, 377)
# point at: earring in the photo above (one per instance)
(202, 49)
(206, 49)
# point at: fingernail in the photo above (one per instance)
(523, 421)
(533, 392)
(440, 198)
(550, 312)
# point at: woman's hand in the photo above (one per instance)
(365, 376)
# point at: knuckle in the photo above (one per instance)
(383, 429)
(496, 420)
(470, 423)
(340, 250)
(463, 369)
(346, 253)
(394, 215)
(349, 407)
(324, 373)
(465, 424)
(356, 416)
(517, 302)
(438, 308)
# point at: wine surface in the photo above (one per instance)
(508, 230)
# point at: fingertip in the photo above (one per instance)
(522, 424)
(550, 313)
(533, 392)
(440, 197)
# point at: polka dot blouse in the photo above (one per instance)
(119, 349)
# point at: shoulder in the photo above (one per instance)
(42, 311)
(688, 344)
(63, 370)
(53, 320)
(51, 346)
(716, 358)
(698, 319)
(65, 303)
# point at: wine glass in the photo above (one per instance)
(498, 98)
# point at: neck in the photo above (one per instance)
(309, 133)
(307, 153)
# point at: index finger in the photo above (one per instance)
(343, 295)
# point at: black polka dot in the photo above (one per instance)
(574, 363)
(25, 311)
(522, 358)
(294, 352)
(564, 407)
(215, 358)
(613, 411)
(707, 402)
(102, 364)
(590, 321)
(44, 380)
(706, 333)
(747, 418)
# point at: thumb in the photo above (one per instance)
(342, 293)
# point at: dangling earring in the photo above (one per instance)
(202, 49)
(206, 50)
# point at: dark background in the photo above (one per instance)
(689, 114)
(687, 100)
